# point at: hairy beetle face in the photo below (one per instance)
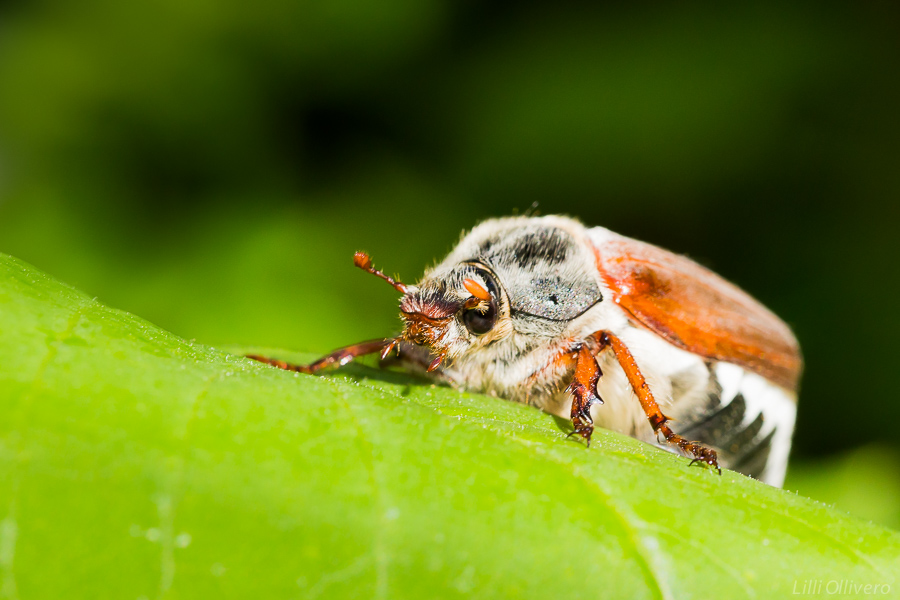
(453, 309)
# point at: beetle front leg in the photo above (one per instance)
(584, 392)
(340, 357)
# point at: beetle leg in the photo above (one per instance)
(698, 452)
(584, 392)
(339, 357)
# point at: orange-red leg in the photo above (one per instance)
(339, 357)
(584, 392)
(659, 422)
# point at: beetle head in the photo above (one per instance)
(449, 312)
(531, 277)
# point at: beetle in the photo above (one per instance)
(582, 321)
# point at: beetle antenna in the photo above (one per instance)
(362, 260)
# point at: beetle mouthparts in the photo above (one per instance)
(427, 314)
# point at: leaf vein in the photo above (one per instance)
(630, 523)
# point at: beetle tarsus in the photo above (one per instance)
(704, 455)
(695, 450)
(584, 430)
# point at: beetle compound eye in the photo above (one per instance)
(479, 322)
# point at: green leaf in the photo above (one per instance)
(138, 464)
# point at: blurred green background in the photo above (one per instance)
(212, 166)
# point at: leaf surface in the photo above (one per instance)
(136, 464)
